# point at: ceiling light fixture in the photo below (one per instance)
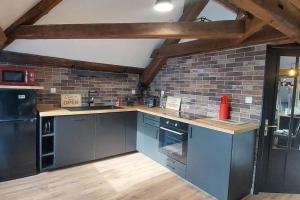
(163, 5)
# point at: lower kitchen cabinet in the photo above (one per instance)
(74, 139)
(221, 163)
(130, 131)
(110, 135)
(148, 137)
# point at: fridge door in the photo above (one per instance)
(17, 104)
(17, 149)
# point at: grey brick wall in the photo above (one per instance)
(201, 79)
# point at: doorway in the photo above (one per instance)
(278, 163)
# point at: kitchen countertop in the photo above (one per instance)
(204, 122)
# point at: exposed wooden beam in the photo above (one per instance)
(296, 3)
(272, 14)
(37, 60)
(239, 13)
(32, 16)
(192, 9)
(218, 29)
(267, 35)
(2, 38)
(252, 26)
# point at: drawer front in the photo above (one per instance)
(151, 122)
(176, 170)
(176, 164)
(151, 117)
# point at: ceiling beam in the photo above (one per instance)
(252, 26)
(273, 15)
(207, 30)
(267, 35)
(2, 38)
(31, 16)
(239, 13)
(296, 3)
(192, 9)
(37, 60)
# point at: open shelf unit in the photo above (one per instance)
(46, 143)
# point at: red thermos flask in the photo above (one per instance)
(224, 108)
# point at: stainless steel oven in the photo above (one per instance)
(173, 137)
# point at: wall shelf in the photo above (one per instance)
(15, 87)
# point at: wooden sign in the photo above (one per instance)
(71, 100)
(173, 103)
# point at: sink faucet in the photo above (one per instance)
(91, 99)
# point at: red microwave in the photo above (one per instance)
(17, 76)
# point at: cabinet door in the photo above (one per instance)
(74, 139)
(140, 132)
(130, 131)
(110, 135)
(150, 141)
(208, 161)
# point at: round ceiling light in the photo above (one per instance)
(163, 5)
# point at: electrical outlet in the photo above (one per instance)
(248, 100)
(53, 90)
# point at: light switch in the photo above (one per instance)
(162, 93)
(53, 90)
(248, 100)
(133, 92)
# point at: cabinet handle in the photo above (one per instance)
(157, 133)
(191, 132)
(79, 119)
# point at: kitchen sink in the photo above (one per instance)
(104, 107)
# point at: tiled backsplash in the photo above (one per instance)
(201, 79)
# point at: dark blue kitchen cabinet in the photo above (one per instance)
(74, 139)
(221, 163)
(110, 135)
(148, 137)
(130, 131)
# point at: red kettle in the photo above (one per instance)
(224, 108)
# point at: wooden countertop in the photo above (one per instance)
(205, 122)
(15, 87)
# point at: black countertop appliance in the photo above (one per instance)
(151, 101)
(17, 134)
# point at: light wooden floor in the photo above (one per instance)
(129, 177)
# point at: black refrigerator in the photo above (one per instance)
(17, 134)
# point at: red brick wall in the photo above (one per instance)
(110, 88)
(201, 79)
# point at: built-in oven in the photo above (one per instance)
(173, 136)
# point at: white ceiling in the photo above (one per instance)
(120, 52)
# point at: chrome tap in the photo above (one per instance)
(91, 99)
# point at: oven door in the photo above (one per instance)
(173, 143)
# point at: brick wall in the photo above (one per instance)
(110, 86)
(201, 79)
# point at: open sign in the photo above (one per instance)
(71, 100)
